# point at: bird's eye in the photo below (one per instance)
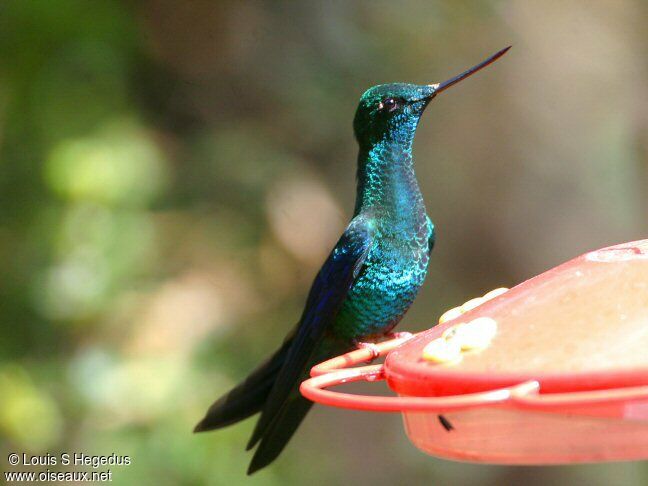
(388, 104)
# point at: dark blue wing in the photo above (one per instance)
(325, 299)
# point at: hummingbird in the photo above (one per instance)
(367, 283)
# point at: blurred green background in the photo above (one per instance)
(173, 173)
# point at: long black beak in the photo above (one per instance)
(451, 82)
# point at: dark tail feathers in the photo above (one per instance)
(277, 435)
(282, 416)
(248, 397)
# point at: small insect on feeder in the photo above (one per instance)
(552, 371)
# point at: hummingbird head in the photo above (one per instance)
(392, 111)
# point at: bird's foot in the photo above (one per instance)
(373, 347)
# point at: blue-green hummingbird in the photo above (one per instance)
(367, 283)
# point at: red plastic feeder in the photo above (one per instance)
(552, 371)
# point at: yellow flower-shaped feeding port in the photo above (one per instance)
(442, 351)
(474, 335)
(463, 337)
(470, 305)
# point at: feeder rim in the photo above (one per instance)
(524, 395)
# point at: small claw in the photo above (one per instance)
(400, 335)
(375, 352)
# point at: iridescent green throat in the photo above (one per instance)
(387, 183)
